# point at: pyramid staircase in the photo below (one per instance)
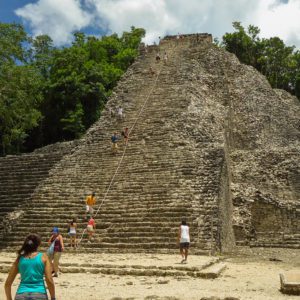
(167, 173)
(20, 175)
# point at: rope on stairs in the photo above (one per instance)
(124, 151)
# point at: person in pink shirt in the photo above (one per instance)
(91, 226)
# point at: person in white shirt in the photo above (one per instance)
(184, 240)
(120, 113)
(165, 57)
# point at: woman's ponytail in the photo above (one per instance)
(30, 245)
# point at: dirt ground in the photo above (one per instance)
(250, 274)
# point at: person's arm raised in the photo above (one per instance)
(10, 279)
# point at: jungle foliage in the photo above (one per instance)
(278, 62)
(50, 94)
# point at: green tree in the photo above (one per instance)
(242, 43)
(20, 97)
(278, 62)
(49, 94)
(12, 39)
(42, 47)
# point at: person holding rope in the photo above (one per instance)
(125, 134)
(90, 201)
(91, 226)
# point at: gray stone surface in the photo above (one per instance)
(212, 142)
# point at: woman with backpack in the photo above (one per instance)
(56, 244)
(32, 265)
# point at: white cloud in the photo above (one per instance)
(160, 17)
(59, 18)
(281, 20)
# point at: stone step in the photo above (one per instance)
(160, 177)
(140, 222)
(16, 244)
(159, 219)
(282, 244)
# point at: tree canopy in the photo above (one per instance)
(50, 94)
(278, 62)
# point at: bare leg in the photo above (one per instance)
(182, 254)
(186, 254)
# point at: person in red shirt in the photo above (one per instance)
(91, 226)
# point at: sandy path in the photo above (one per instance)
(254, 277)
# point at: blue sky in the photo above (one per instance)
(7, 8)
(60, 18)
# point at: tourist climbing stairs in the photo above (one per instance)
(160, 178)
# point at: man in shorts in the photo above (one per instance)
(184, 240)
(90, 201)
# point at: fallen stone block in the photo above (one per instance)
(212, 272)
(290, 283)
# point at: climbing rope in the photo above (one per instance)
(124, 151)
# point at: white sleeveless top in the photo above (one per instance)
(185, 234)
(72, 230)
